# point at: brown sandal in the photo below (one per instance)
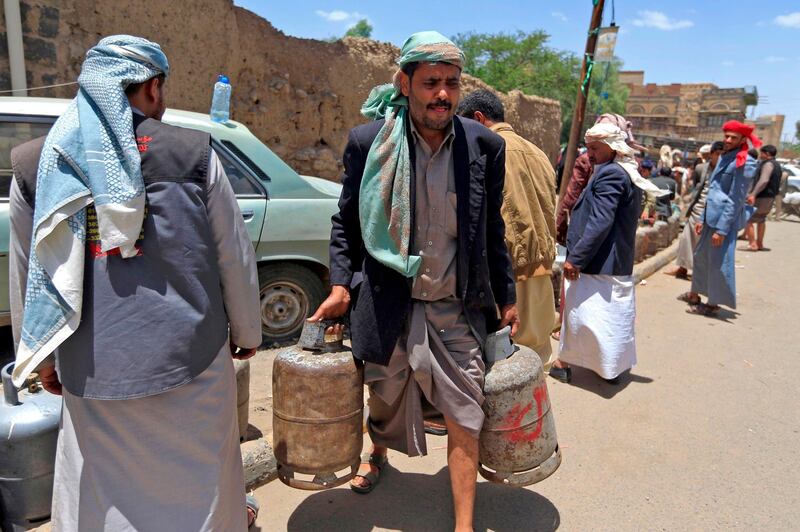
(701, 309)
(375, 460)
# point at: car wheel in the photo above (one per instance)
(289, 294)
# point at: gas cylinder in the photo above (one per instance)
(28, 434)
(318, 404)
(518, 443)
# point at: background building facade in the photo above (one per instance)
(688, 115)
(769, 128)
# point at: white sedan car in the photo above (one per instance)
(793, 182)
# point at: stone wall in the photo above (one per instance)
(299, 96)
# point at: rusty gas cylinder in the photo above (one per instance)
(518, 443)
(318, 394)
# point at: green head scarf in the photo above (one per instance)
(385, 192)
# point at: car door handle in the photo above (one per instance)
(248, 214)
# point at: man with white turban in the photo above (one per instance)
(599, 305)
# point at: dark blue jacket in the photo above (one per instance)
(381, 297)
(602, 228)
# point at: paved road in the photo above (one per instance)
(702, 435)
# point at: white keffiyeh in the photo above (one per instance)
(615, 138)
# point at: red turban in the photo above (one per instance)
(745, 131)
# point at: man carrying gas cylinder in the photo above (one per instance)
(418, 256)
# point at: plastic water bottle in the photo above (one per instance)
(221, 101)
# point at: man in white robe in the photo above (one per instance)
(599, 303)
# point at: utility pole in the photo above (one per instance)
(16, 51)
(583, 93)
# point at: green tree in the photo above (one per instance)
(797, 131)
(523, 61)
(362, 28)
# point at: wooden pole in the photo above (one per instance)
(580, 102)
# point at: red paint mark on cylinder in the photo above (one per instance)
(513, 420)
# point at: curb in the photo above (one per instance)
(259, 463)
(649, 266)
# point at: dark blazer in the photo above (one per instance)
(602, 229)
(381, 297)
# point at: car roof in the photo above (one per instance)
(284, 181)
(32, 106)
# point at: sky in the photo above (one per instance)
(731, 43)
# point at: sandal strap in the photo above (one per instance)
(703, 310)
(375, 460)
(370, 477)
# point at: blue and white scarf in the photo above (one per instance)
(89, 157)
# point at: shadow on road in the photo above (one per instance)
(417, 502)
(589, 380)
(724, 315)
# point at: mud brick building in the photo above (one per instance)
(299, 96)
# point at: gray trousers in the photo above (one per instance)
(437, 358)
(164, 462)
(686, 243)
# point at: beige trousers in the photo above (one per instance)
(537, 316)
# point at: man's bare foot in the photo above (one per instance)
(689, 297)
(252, 510)
(678, 272)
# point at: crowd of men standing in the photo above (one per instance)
(446, 232)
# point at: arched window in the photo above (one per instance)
(720, 107)
(636, 110)
(659, 110)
